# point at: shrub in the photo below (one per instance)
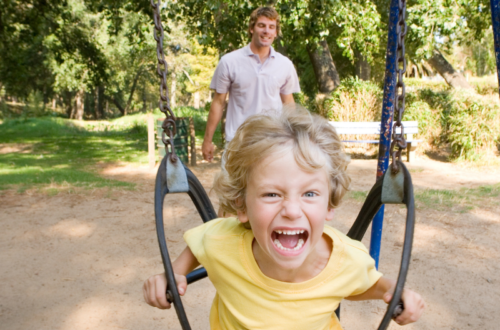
(472, 124)
(485, 85)
(428, 120)
(354, 100)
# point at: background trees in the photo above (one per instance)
(96, 59)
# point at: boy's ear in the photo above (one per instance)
(242, 216)
(329, 214)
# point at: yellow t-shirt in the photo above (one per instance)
(248, 299)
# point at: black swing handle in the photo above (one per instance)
(206, 211)
(369, 209)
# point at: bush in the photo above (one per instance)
(354, 100)
(485, 85)
(428, 120)
(472, 124)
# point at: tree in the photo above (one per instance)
(307, 25)
(434, 27)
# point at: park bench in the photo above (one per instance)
(373, 128)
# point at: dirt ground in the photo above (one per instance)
(78, 260)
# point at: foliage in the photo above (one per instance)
(353, 100)
(485, 85)
(468, 122)
(346, 25)
(428, 120)
(472, 124)
(442, 23)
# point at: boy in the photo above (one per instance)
(277, 265)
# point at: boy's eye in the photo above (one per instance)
(310, 194)
(271, 195)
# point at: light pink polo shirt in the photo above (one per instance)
(253, 86)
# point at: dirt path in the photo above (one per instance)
(77, 261)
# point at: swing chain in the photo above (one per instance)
(398, 139)
(168, 125)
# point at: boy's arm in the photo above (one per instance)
(185, 262)
(155, 287)
(413, 303)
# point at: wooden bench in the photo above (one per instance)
(373, 128)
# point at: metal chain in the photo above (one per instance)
(168, 125)
(398, 139)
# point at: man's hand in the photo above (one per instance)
(214, 117)
(155, 290)
(413, 306)
(208, 149)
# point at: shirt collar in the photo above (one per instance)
(247, 51)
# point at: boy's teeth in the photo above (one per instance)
(289, 232)
(300, 243)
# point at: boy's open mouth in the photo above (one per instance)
(289, 240)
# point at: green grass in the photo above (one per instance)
(56, 151)
(460, 200)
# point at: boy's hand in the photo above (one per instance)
(413, 306)
(155, 290)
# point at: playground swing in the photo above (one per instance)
(392, 187)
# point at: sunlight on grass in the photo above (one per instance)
(460, 200)
(63, 152)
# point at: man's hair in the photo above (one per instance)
(268, 12)
(313, 141)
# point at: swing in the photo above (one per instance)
(393, 187)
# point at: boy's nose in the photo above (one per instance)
(291, 209)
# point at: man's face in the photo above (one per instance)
(263, 32)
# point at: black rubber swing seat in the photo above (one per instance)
(369, 209)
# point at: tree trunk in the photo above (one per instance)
(144, 98)
(327, 76)
(363, 69)
(118, 105)
(446, 70)
(100, 101)
(96, 104)
(132, 90)
(78, 113)
(69, 102)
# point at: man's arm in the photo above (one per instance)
(287, 99)
(214, 117)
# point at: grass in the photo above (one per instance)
(56, 151)
(460, 200)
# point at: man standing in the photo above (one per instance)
(256, 77)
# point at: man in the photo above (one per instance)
(256, 77)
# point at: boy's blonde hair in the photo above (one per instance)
(268, 12)
(311, 138)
